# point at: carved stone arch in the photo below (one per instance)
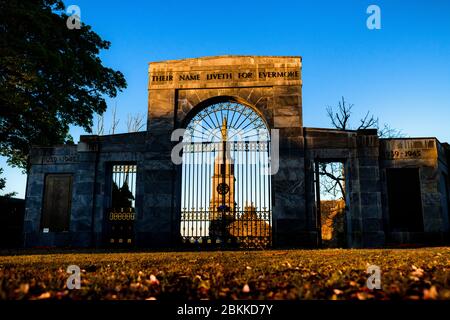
(194, 110)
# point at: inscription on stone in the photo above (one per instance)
(409, 149)
(189, 77)
(60, 159)
(283, 74)
(162, 78)
(251, 75)
(219, 76)
(403, 154)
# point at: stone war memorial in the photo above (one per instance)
(226, 162)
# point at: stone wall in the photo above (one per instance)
(57, 159)
(358, 151)
(87, 162)
(428, 155)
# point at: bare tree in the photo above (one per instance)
(340, 117)
(369, 121)
(114, 120)
(135, 122)
(333, 179)
(388, 132)
(99, 125)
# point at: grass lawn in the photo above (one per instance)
(275, 274)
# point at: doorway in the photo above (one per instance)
(330, 203)
(404, 200)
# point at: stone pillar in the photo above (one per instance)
(289, 212)
(86, 230)
(154, 228)
(370, 188)
(353, 219)
(33, 199)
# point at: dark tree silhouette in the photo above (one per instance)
(121, 197)
(51, 77)
(340, 117)
(3, 184)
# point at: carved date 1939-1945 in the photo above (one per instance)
(402, 154)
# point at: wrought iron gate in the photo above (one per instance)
(226, 186)
(120, 216)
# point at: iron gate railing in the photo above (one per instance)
(226, 194)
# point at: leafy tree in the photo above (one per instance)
(2, 181)
(51, 77)
(3, 184)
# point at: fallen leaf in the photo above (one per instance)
(45, 295)
(24, 288)
(430, 294)
(361, 296)
(154, 280)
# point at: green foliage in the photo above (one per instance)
(3, 184)
(50, 77)
(2, 180)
